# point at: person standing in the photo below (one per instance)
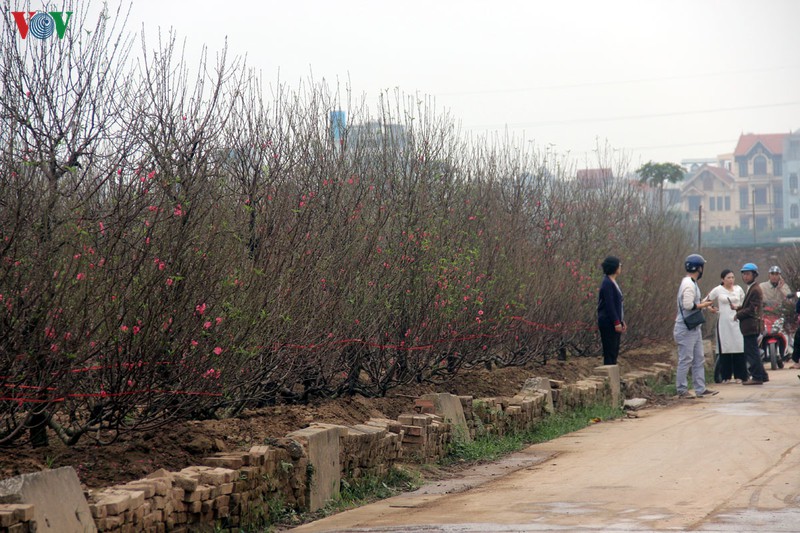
(777, 297)
(796, 344)
(610, 314)
(730, 343)
(749, 316)
(690, 341)
(776, 292)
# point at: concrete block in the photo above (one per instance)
(450, 408)
(611, 372)
(321, 443)
(57, 498)
(634, 404)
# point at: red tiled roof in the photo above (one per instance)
(773, 142)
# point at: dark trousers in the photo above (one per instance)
(796, 352)
(753, 357)
(610, 340)
(732, 364)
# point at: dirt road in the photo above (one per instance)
(725, 463)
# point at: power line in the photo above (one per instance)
(616, 82)
(631, 117)
(729, 142)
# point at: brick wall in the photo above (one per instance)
(236, 489)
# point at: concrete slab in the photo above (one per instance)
(612, 373)
(634, 404)
(449, 407)
(321, 442)
(57, 497)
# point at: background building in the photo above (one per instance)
(791, 171)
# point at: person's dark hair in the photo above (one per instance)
(725, 273)
(610, 265)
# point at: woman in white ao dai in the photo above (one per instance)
(730, 344)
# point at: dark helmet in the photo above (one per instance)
(775, 269)
(750, 267)
(694, 262)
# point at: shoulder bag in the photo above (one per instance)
(694, 318)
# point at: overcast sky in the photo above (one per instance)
(659, 80)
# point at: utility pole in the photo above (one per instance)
(700, 226)
(754, 215)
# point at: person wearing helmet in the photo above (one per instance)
(690, 341)
(749, 316)
(776, 295)
(775, 290)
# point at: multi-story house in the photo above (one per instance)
(709, 195)
(791, 175)
(758, 167)
(746, 187)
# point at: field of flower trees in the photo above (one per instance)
(185, 241)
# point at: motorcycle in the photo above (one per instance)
(774, 342)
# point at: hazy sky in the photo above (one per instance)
(661, 80)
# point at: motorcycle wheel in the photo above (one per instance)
(773, 356)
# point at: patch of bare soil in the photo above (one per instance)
(183, 444)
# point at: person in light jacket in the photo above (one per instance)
(610, 314)
(690, 341)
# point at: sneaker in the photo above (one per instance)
(709, 392)
(753, 382)
(685, 396)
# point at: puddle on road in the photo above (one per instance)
(776, 521)
(780, 521)
(739, 409)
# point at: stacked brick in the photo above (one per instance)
(660, 373)
(582, 394)
(17, 518)
(524, 411)
(233, 490)
(425, 436)
(198, 496)
(371, 448)
(489, 416)
(502, 415)
(474, 425)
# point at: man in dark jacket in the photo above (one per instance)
(610, 316)
(750, 324)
